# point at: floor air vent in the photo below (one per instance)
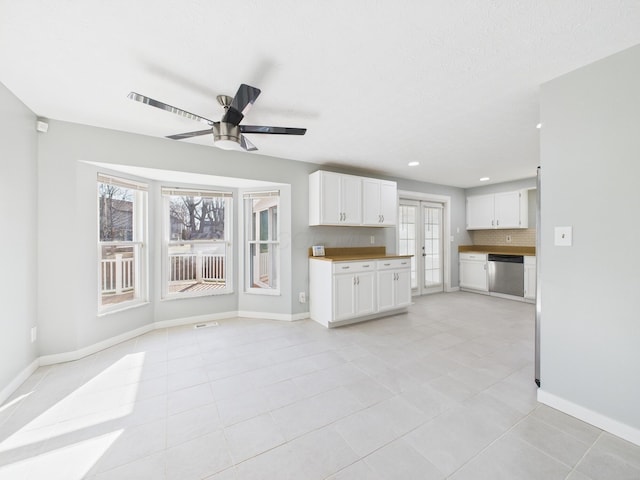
(205, 325)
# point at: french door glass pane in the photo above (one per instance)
(407, 237)
(432, 221)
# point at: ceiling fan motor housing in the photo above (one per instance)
(226, 131)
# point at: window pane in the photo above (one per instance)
(261, 251)
(196, 218)
(197, 268)
(116, 213)
(117, 273)
(263, 261)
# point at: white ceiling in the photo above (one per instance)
(451, 84)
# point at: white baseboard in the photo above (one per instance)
(453, 289)
(19, 380)
(96, 347)
(596, 419)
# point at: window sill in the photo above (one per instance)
(122, 307)
(262, 291)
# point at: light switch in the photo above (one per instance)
(563, 236)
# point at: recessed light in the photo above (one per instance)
(539, 126)
(485, 179)
(413, 164)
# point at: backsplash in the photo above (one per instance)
(521, 237)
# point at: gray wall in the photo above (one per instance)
(68, 189)
(18, 227)
(590, 147)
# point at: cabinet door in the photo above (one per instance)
(480, 212)
(351, 199)
(344, 296)
(330, 186)
(385, 289)
(388, 203)
(403, 288)
(371, 201)
(473, 275)
(366, 293)
(507, 209)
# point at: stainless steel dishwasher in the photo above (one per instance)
(506, 274)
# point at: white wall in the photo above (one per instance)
(18, 231)
(590, 332)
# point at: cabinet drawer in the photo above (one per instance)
(394, 263)
(351, 267)
(478, 257)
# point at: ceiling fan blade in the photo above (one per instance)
(163, 106)
(272, 130)
(247, 145)
(245, 96)
(197, 133)
(241, 103)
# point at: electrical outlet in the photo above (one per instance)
(34, 334)
(372, 239)
(508, 238)
(302, 297)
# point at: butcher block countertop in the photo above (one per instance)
(498, 249)
(350, 254)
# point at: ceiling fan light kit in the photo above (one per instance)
(227, 133)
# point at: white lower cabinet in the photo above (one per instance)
(354, 295)
(473, 271)
(347, 292)
(394, 284)
(530, 278)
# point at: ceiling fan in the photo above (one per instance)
(227, 133)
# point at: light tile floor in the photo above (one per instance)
(444, 391)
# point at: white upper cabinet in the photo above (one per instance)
(480, 212)
(335, 199)
(338, 199)
(498, 210)
(379, 202)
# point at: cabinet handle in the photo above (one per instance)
(357, 280)
(345, 268)
(492, 224)
(497, 222)
(382, 218)
(366, 266)
(387, 264)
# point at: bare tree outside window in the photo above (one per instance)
(116, 213)
(196, 218)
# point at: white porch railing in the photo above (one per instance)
(117, 274)
(198, 267)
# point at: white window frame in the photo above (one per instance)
(166, 193)
(138, 267)
(248, 242)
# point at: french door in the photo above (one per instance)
(421, 235)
